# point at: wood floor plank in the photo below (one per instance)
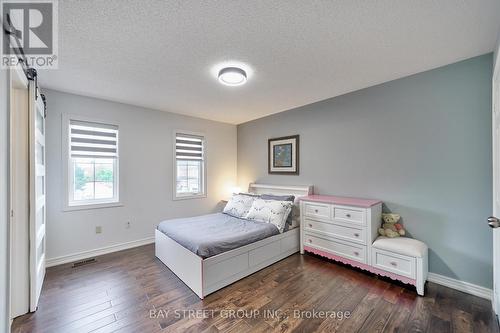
(461, 321)
(320, 302)
(363, 310)
(420, 318)
(122, 292)
(398, 319)
(438, 325)
(379, 318)
(347, 306)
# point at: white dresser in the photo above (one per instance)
(340, 228)
(346, 230)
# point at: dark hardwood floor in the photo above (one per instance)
(132, 291)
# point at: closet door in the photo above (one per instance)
(37, 192)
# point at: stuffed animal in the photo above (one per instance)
(391, 226)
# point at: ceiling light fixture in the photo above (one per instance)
(232, 76)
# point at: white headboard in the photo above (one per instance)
(296, 190)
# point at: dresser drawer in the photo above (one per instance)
(350, 215)
(318, 210)
(348, 251)
(395, 263)
(351, 234)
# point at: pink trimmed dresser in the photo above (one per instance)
(346, 230)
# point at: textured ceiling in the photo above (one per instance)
(161, 54)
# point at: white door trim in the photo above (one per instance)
(496, 178)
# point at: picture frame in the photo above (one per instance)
(283, 155)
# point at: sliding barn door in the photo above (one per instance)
(37, 192)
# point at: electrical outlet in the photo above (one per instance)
(98, 229)
(127, 225)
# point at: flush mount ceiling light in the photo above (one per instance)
(232, 76)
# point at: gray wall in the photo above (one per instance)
(146, 161)
(4, 195)
(422, 144)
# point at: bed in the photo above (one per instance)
(207, 263)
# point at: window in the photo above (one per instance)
(189, 167)
(92, 164)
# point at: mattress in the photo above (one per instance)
(209, 235)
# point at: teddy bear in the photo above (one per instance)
(391, 226)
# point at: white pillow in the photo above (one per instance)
(270, 211)
(239, 205)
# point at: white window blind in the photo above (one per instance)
(189, 166)
(92, 163)
(93, 140)
(188, 147)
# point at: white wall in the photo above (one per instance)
(146, 161)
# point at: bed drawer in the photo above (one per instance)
(263, 253)
(224, 269)
(395, 263)
(351, 234)
(349, 251)
(317, 210)
(349, 215)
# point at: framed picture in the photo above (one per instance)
(284, 155)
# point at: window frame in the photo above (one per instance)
(203, 193)
(70, 205)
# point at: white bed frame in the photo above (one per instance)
(204, 276)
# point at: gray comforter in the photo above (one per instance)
(209, 235)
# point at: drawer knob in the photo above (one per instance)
(356, 253)
(393, 263)
(347, 215)
(310, 225)
(309, 240)
(356, 235)
(315, 210)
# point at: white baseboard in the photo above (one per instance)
(97, 252)
(465, 287)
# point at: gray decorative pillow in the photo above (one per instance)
(277, 197)
(270, 211)
(239, 205)
(249, 194)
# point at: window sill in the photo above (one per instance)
(92, 206)
(187, 197)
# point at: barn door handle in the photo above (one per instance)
(493, 222)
